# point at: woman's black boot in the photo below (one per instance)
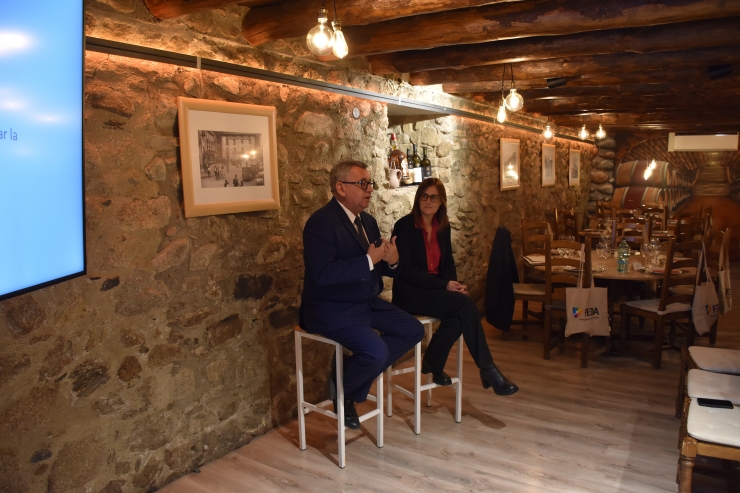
(492, 377)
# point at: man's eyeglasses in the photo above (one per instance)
(363, 184)
(434, 199)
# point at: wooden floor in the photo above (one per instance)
(607, 428)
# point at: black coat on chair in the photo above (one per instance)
(502, 274)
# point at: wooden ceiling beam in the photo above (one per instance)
(524, 19)
(714, 117)
(696, 75)
(578, 66)
(293, 18)
(668, 37)
(169, 9)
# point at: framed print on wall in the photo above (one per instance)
(229, 157)
(574, 168)
(509, 164)
(548, 165)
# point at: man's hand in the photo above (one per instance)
(456, 287)
(377, 253)
(391, 253)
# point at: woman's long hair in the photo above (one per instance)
(441, 212)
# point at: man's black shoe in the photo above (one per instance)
(351, 420)
(440, 377)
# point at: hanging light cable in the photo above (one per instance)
(340, 48)
(583, 134)
(320, 38)
(514, 101)
(600, 133)
(501, 115)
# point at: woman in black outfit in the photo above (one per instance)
(427, 284)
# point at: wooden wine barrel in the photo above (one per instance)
(633, 197)
(632, 173)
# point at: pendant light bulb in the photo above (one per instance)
(547, 133)
(501, 115)
(653, 165)
(583, 134)
(514, 101)
(648, 172)
(600, 133)
(340, 48)
(320, 39)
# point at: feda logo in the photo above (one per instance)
(589, 312)
(712, 310)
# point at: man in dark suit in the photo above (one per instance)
(345, 259)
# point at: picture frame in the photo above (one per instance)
(510, 160)
(574, 168)
(548, 165)
(229, 157)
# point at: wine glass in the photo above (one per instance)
(602, 250)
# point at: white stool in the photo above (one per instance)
(711, 359)
(307, 407)
(418, 388)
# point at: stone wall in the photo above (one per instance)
(177, 347)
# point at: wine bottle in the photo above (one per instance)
(426, 166)
(417, 166)
(406, 177)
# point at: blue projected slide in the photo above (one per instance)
(41, 190)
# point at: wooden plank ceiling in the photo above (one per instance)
(633, 65)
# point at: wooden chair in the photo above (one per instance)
(710, 432)
(570, 226)
(716, 360)
(671, 306)
(684, 227)
(559, 220)
(657, 215)
(620, 214)
(557, 279)
(632, 231)
(532, 288)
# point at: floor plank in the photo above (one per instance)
(605, 429)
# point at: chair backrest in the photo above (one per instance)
(632, 231)
(561, 272)
(658, 216)
(570, 226)
(604, 209)
(620, 214)
(686, 250)
(684, 227)
(532, 231)
(559, 215)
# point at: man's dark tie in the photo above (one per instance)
(363, 239)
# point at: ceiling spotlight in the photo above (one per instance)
(554, 82)
(583, 134)
(547, 133)
(320, 39)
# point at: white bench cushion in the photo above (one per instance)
(714, 386)
(652, 306)
(710, 424)
(716, 360)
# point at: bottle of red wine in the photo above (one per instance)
(426, 166)
(417, 166)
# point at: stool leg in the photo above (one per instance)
(389, 392)
(458, 390)
(340, 405)
(428, 331)
(379, 425)
(299, 386)
(417, 386)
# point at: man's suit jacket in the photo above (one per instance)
(339, 289)
(413, 277)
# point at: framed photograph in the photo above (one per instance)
(574, 168)
(229, 157)
(509, 164)
(548, 165)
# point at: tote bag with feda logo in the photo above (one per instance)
(587, 309)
